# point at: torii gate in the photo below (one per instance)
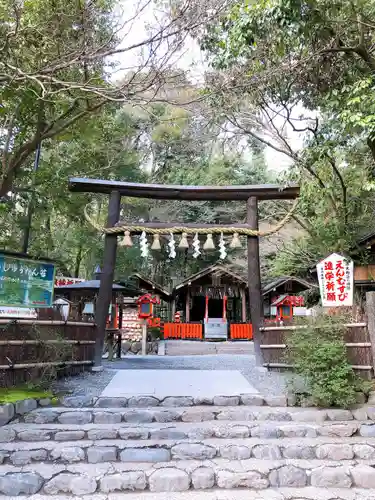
(251, 194)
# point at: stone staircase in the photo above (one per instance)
(184, 449)
(191, 347)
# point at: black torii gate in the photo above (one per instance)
(250, 194)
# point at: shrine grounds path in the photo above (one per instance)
(267, 383)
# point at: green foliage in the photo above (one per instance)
(319, 355)
(164, 145)
(50, 50)
(281, 56)
(329, 225)
(154, 333)
(20, 393)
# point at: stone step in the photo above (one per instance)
(358, 449)
(183, 430)
(176, 476)
(195, 414)
(307, 493)
(185, 348)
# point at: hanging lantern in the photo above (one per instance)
(143, 243)
(209, 243)
(127, 240)
(223, 252)
(172, 247)
(196, 244)
(236, 242)
(183, 241)
(156, 242)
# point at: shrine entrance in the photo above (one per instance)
(114, 228)
(197, 312)
(215, 308)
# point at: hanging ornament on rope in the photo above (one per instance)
(183, 241)
(196, 244)
(223, 252)
(156, 243)
(172, 247)
(143, 243)
(126, 240)
(236, 242)
(209, 243)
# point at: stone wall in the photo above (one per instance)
(134, 347)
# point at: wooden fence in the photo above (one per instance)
(183, 331)
(31, 348)
(357, 338)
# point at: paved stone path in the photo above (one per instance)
(163, 383)
(263, 381)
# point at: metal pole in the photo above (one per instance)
(254, 283)
(30, 208)
(144, 337)
(106, 278)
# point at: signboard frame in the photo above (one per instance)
(28, 263)
(216, 328)
(336, 279)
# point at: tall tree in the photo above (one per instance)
(305, 67)
(56, 60)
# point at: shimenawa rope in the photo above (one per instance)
(182, 229)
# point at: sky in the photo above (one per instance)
(190, 59)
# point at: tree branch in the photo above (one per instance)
(342, 184)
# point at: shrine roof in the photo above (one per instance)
(367, 239)
(284, 279)
(88, 285)
(153, 285)
(215, 269)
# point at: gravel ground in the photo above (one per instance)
(94, 383)
(90, 384)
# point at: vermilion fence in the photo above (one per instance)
(183, 331)
(241, 331)
(238, 331)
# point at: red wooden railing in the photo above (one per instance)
(241, 331)
(183, 331)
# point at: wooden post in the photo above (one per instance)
(106, 278)
(144, 337)
(120, 311)
(253, 278)
(110, 342)
(243, 304)
(187, 306)
(370, 312)
(113, 312)
(119, 346)
(173, 309)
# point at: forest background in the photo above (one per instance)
(187, 92)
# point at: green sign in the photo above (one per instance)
(26, 283)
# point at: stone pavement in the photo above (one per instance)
(307, 493)
(163, 383)
(264, 381)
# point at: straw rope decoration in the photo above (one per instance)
(182, 229)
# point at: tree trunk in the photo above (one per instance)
(78, 261)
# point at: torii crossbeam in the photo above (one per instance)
(251, 194)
